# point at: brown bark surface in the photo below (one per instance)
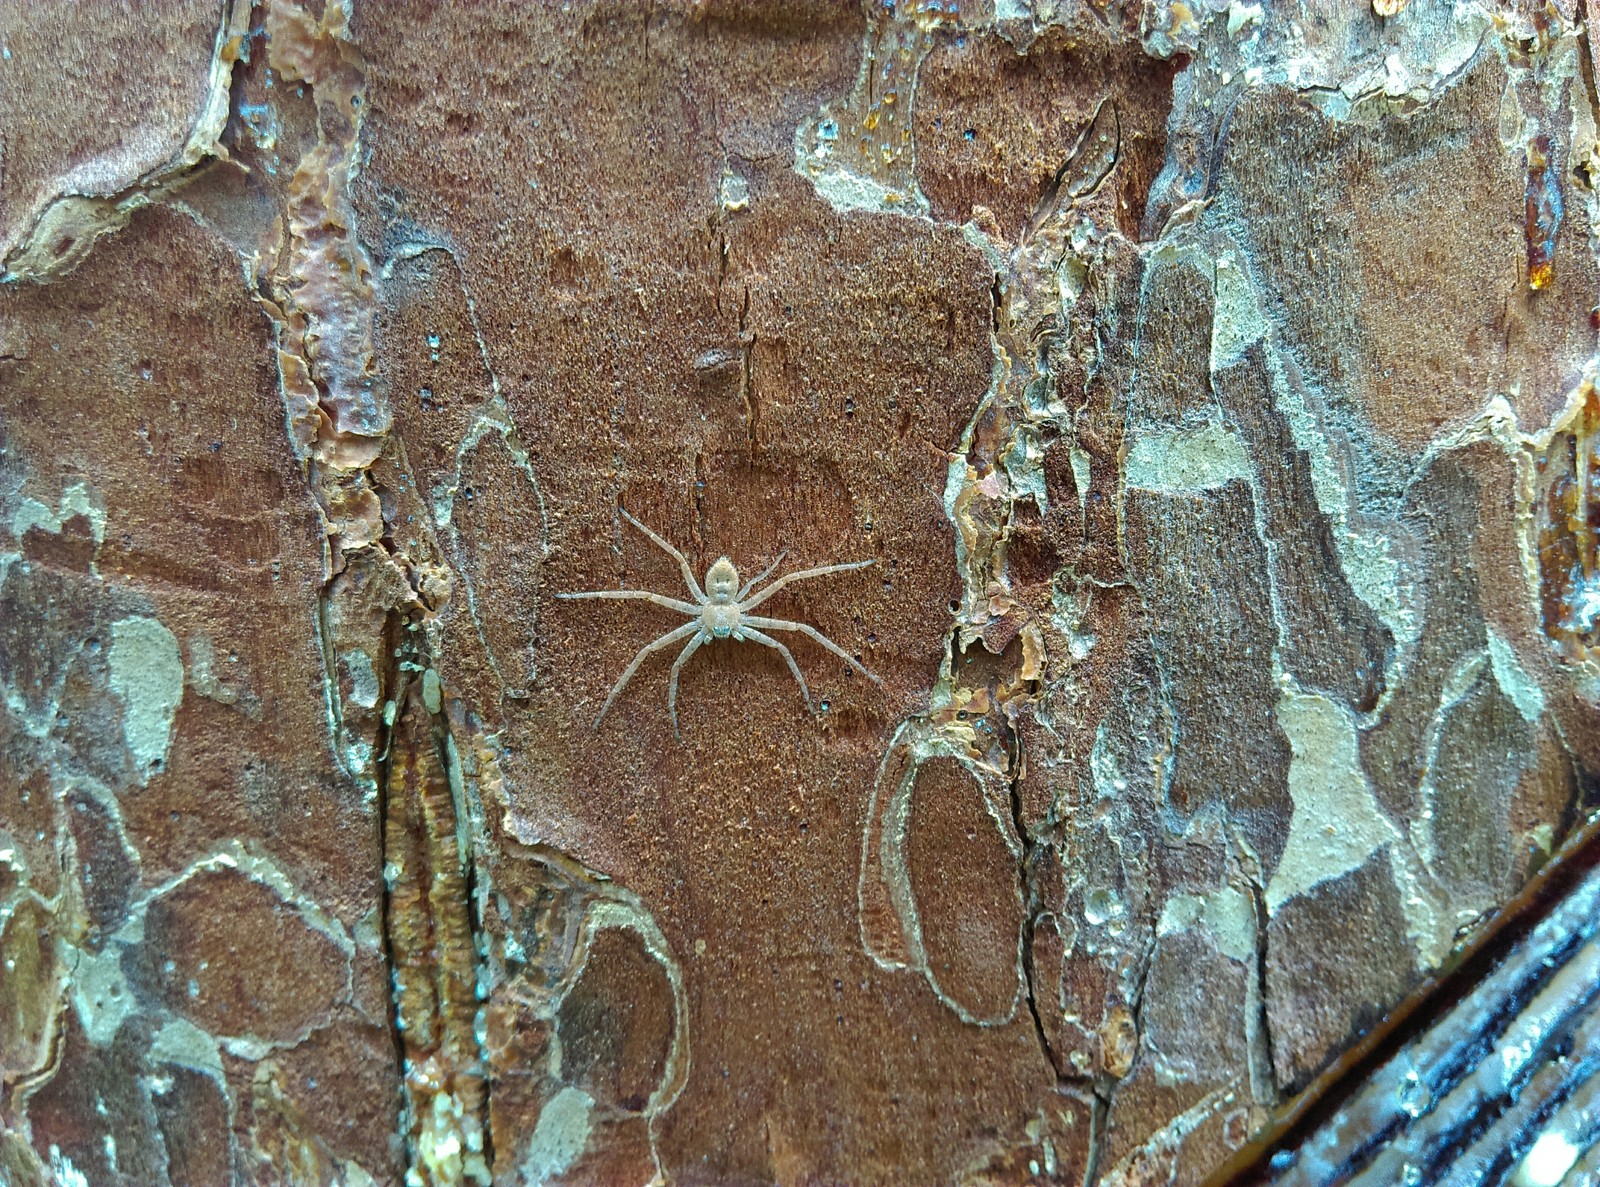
(1210, 386)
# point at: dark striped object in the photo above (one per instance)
(1500, 1090)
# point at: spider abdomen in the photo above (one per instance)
(720, 618)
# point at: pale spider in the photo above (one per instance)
(720, 611)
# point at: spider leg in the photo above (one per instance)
(805, 693)
(666, 640)
(688, 573)
(801, 575)
(642, 595)
(812, 633)
(689, 648)
(760, 577)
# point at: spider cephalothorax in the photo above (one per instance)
(720, 611)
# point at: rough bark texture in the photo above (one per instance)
(1212, 385)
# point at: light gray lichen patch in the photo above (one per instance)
(1337, 823)
(147, 676)
(1200, 458)
(76, 500)
(31, 513)
(203, 670)
(364, 686)
(1521, 688)
(184, 1044)
(64, 1172)
(560, 1136)
(100, 993)
(1227, 913)
(733, 190)
(1237, 322)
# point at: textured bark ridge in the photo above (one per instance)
(1212, 385)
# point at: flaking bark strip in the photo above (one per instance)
(434, 953)
(321, 294)
(1565, 519)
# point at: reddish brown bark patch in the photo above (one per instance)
(230, 955)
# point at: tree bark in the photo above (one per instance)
(1211, 389)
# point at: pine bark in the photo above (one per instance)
(1211, 387)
